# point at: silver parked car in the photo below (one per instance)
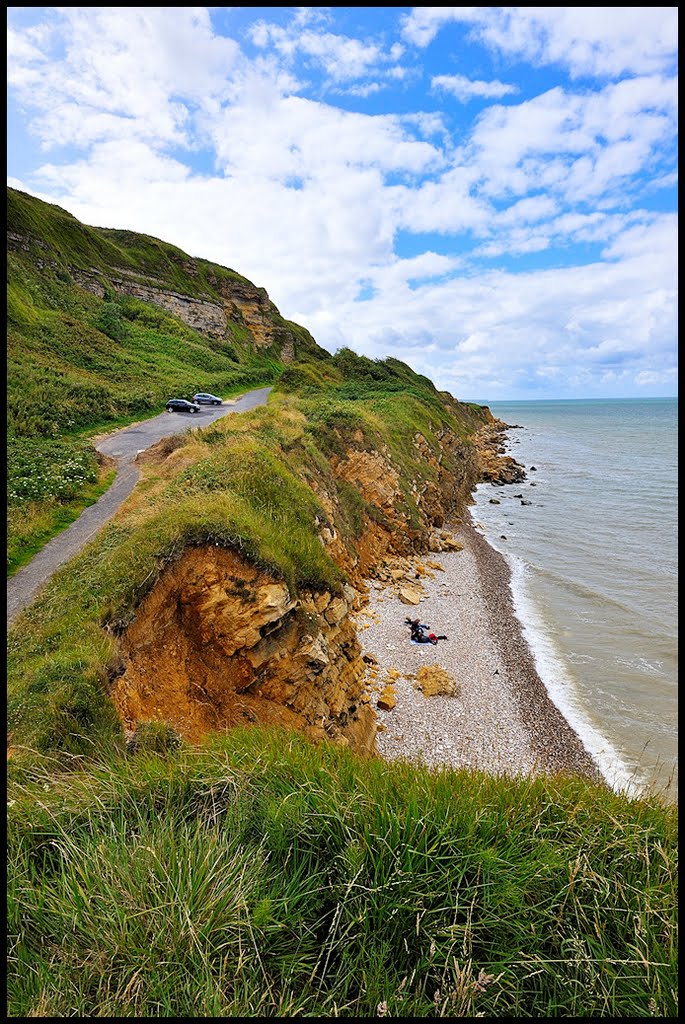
(202, 398)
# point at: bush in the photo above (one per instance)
(39, 469)
(110, 321)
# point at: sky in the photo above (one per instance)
(486, 193)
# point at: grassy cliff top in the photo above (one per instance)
(263, 876)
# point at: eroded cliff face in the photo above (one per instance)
(242, 303)
(219, 642)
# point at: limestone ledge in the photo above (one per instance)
(241, 303)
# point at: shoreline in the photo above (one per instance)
(501, 720)
(550, 732)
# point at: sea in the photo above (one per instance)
(594, 572)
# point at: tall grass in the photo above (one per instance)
(265, 876)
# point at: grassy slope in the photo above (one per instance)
(266, 877)
(77, 363)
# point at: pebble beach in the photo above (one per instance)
(499, 719)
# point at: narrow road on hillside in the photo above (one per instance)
(123, 446)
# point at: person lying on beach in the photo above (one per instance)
(419, 634)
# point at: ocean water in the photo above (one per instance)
(594, 572)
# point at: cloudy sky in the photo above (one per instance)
(487, 193)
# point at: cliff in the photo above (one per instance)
(104, 323)
(220, 642)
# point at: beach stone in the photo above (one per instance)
(495, 501)
(450, 543)
(410, 595)
(387, 699)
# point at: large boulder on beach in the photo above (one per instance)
(410, 594)
(387, 700)
(433, 681)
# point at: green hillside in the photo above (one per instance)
(78, 359)
(79, 362)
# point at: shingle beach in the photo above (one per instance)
(500, 719)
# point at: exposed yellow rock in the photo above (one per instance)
(219, 642)
(450, 543)
(410, 594)
(387, 699)
(433, 680)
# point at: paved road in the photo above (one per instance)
(122, 446)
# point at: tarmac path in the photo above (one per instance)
(123, 446)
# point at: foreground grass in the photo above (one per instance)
(264, 876)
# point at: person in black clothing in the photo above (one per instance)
(419, 632)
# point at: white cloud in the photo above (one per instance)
(316, 202)
(302, 138)
(127, 63)
(588, 40)
(578, 144)
(342, 59)
(466, 88)
(572, 319)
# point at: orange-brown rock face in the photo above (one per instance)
(219, 643)
(251, 307)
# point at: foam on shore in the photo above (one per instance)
(560, 687)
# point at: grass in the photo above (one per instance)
(264, 876)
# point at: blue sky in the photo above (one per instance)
(487, 193)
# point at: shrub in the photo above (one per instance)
(110, 321)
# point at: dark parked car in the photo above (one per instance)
(202, 398)
(181, 405)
